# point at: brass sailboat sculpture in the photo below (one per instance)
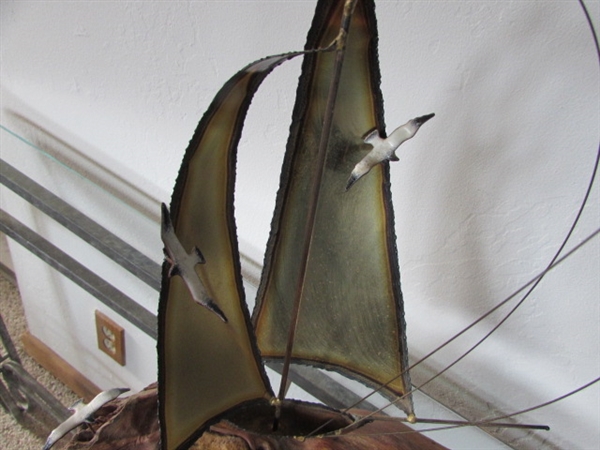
(331, 263)
(329, 294)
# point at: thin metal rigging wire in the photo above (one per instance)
(490, 422)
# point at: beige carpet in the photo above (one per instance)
(13, 436)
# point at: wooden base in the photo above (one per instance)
(61, 369)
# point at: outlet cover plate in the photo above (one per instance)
(111, 337)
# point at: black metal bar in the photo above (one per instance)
(78, 223)
(79, 274)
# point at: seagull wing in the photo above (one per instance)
(372, 137)
(167, 234)
(99, 400)
(408, 130)
(82, 412)
(198, 256)
(61, 430)
(166, 223)
(401, 134)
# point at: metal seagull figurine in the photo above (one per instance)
(183, 264)
(385, 149)
(82, 414)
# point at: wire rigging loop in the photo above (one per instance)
(555, 260)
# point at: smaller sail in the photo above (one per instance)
(208, 360)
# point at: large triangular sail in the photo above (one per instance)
(351, 313)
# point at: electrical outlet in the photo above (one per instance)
(111, 338)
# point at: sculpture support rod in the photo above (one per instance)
(315, 191)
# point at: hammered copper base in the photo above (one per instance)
(132, 424)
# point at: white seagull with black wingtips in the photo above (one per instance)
(385, 149)
(81, 414)
(184, 264)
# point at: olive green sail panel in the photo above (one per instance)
(208, 366)
(193, 397)
(351, 315)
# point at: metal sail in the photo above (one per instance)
(351, 316)
(208, 366)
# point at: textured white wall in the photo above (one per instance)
(484, 194)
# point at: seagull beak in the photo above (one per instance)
(421, 120)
